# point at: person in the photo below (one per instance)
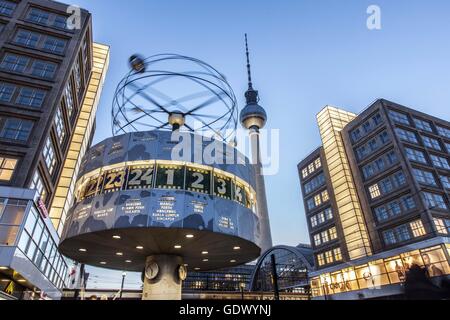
(432, 270)
(418, 285)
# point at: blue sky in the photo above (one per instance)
(305, 54)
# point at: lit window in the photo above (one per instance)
(69, 99)
(318, 163)
(311, 168)
(314, 222)
(320, 259)
(440, 226)
(337, 254)
(7, 7)
(49, 155)
(423, 125)
(417, 228)
(6, 92)
(60, 127)
(31, 97)
(16, 129)
(43, 69)
(317, 200)
(325, 237)
(374, 191)
(14, 63)
(7, 167)
(55, 45)
(38, 184)
(305, 173)
(325, 196)
(27, 38)
(333, 234)
(329, 257)
(317, 240)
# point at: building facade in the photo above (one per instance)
(377, 198)
(51, 74)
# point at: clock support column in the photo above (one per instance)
(161, 278)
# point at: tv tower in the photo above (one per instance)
(253, 117)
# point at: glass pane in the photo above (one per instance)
(31, 221)
(12, 215)
(23, 242)
(8, 235)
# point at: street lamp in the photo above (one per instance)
(242, 285)
(124, 274)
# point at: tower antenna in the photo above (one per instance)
(249, 70)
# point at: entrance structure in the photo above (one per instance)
(168, 200)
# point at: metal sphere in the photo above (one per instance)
(170, 91)
(253, 115)
(137, 63)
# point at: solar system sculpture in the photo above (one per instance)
(140, 208)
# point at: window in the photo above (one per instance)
(389, 237)
(423, 125)
(394, 209)
(328, 214)
(409, 203)
(402, 233)
(55, 45)
(440, 162)
(60, 22)
(417, 228)
(325, 196)
(325, 237)
(314, 222)
(374, 191)
(434, 201)
(415, 155)
(315, 183)
(406, 135)
(77, 76)
(311, 168)
(445, 181)
(381, 213)
(43, 69)
(337, 254)
(2, 26)
(60, 127)
(321, 218)
(14, 63)
(6, 92)
(7, 167)
(38, 16)
(431, 143)
(333, 234)
(443, 132)
(399, 117)
(424, 177)
(7, 7)
(11, 216)
(16, 129)
(49, 155)
(320, 259)
(317, 200)
(31, 97)
(69, 99)
(356, 135)
(27, 38)
(329, 257)
(399, 179)
(317, 240)
(441, 228)
(38, 184)
(447, 145)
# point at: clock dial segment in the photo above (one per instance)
(198, 180)
(170, 177)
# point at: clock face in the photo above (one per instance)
(152, 270)
(182, 273)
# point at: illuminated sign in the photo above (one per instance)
(166, 175)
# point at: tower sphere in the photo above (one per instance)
(253, 115)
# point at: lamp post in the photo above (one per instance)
(242, 285)
(124, 274)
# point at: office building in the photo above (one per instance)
(51, 75)
(376, 199)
